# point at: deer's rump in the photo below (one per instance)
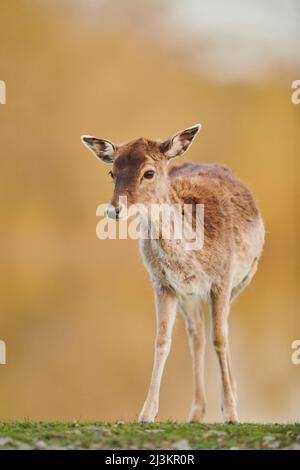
(233, 226)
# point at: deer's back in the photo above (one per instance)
(229, 207)
(233, 230)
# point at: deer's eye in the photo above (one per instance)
(149, 174)
(111, 174)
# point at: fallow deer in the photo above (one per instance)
(216, 273)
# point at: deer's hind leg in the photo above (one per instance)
(220, 306)
(236, 290)
(192, 310)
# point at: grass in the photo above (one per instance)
(164, 435)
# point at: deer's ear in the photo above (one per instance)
(103, 149)
(180, 142)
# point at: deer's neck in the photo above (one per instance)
(163, 217)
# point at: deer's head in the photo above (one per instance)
(139, 168)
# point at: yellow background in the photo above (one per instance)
(77, 313)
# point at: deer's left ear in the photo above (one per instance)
(103, 149)
(180, 142)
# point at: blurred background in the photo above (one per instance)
(77, 313)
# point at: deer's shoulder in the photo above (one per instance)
(206, 180)
(214, 185)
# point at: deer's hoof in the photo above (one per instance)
(145, 420)
(197, 414)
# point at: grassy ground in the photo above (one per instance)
(165, 435)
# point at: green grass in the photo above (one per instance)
(164, 435)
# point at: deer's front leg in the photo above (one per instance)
(166, 304)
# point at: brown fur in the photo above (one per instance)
(233, 242)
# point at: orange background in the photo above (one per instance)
(77, 313)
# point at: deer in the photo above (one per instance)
(184, 280)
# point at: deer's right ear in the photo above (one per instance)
(103, 149)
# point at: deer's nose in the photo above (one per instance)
(114, 212)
